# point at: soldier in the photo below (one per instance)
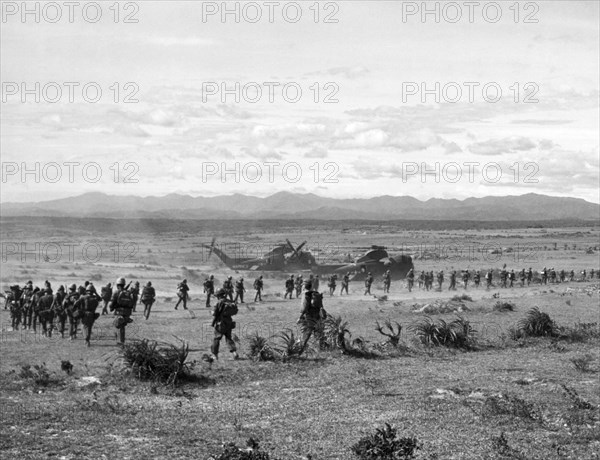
(583, 275)
(258, 287)
(571, 276)
(223, 324)
(239, 290)
(544, 276)
(148, 298)
(529, 276)
(27, 304)
(387, 281)
(368, 283)
(308, 284)
(60, 312)
(411, 280)
(311, 315)
(562, 275)
(465, 277)
(289, 287)
(552, 275)
(345, 283)
(315, 283)
(122, 304)
(429, 280)
(209, 289)
(452, 286)
(522, 277)
(228, 287)
(69, 308)
(16, 306)
(421, 280)
(45, 312)
(512, 277)
(503, 277)
(182, 293)
(440, 279)
(299, 284)
(135, 290)
(331, 284)
(477, 279)
(488, 279)
(106, 294)
(87, 304)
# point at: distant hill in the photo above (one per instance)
(285, 205)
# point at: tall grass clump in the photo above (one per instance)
(456, 334)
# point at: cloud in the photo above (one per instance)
(501, 146)
(316, 152)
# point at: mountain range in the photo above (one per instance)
(285, 205)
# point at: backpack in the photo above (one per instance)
(229, 309)
(125, 299)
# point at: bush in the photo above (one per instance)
(393, 336)
(537, 324)
(260, 349)
(457, 334)
(383, 445)
(461, 298)
(163, 362)
(580, 332)
(582, 363)
(504, 306)
(232, 452)
(39, 374)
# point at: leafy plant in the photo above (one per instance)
(39, 374)
(384, 445)
(251, 452)
(336, 330)
(503, 306)
(259, 348)
(537, 324)
(393, 335)
(582, 363)
(151, 360)
(456, 334)
(461, 298)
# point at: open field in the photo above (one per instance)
(446, 398)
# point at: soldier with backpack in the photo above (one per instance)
(69, 308)
(106, 294)
(59, 312)
(410, 276)
(331, 284)
(135, 290)
(87, 305)
(239, 290)
(45, 312)
(228, 287)
(148, 298)
(345, 284)
(289, 287)
(223, 324)
(209, 289)
(311, 315)
(258, 287)
(182, 293)
(122, 304)
(368, 283)
(299, 284)
(387, 281)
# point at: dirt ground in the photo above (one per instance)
(321, 405)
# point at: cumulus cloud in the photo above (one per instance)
(501, 146)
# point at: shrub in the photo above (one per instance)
(383, 445)
(582, 363)
(506, 404)
(537, 324)
(504, 306)
(260, 349)
(393, 335)
(580, 332)
(461, 298)
(232, 452)
(457, 334)
(336, 329)
(39, 374)
(163, 362)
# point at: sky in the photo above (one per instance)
(379, 99)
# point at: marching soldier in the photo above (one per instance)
(223, 324)
(529, 276)
(122, 304)
(488, 279)
(228, 287)
(315, 283)
(387, 281)
(571, 276)
(59, 311)
(562, 275)
(239, 290)
(452, 286)
(45, 312)
(466, 276)
(410, 276)
(311, 315)
(106, 294)
(421, 280)
(16, 306)
(440, 279)
(503, 277)
(332, 284)
(182, 293)
(135, 290)
(583, 275)
(87, 305)
(477, 279)
(368, 283)
(299, 284)
(69, 308)
(209, 289)
(148, 298)
(522, 277)
(258, 287)
(289, 287)
(345, 283)
(544, 276)
(552, 275)
(308, 284)
(512, 277)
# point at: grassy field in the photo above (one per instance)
(506, 399)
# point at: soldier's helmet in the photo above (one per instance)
(72, 287)
(90, 288)
(109, 285)
(220, 293)
(47, 283)
(120, 281)
(29, 283)
(61, 288)
(211, 277)
(260, 277)
(137, 283)
(148, 284)
(241, 279)
(230, 277)
(184, 281)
